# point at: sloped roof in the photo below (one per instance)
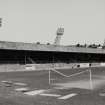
(43, 47)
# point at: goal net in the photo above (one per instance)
(63, 77)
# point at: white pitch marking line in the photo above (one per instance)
(101, 94)
(35, 92)
(22, 89)
(8, 82)
(68, 96)
(51, 95)
(20, 84)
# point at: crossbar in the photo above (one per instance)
(69, 75)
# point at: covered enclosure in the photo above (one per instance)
(25, 53)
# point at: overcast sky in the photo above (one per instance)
(38, 20)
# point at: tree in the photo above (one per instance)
(37, 42)
(78, 45)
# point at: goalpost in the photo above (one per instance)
(91, 83)
(67, 76)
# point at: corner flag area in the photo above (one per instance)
(79, 86)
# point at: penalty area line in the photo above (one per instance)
(50, 95)
(35, 92)
(68, 96)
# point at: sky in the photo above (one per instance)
(37, 21)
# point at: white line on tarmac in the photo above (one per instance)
(35, 92)
(50, 95)
(67, 96)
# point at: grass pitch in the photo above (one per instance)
(38, 80)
